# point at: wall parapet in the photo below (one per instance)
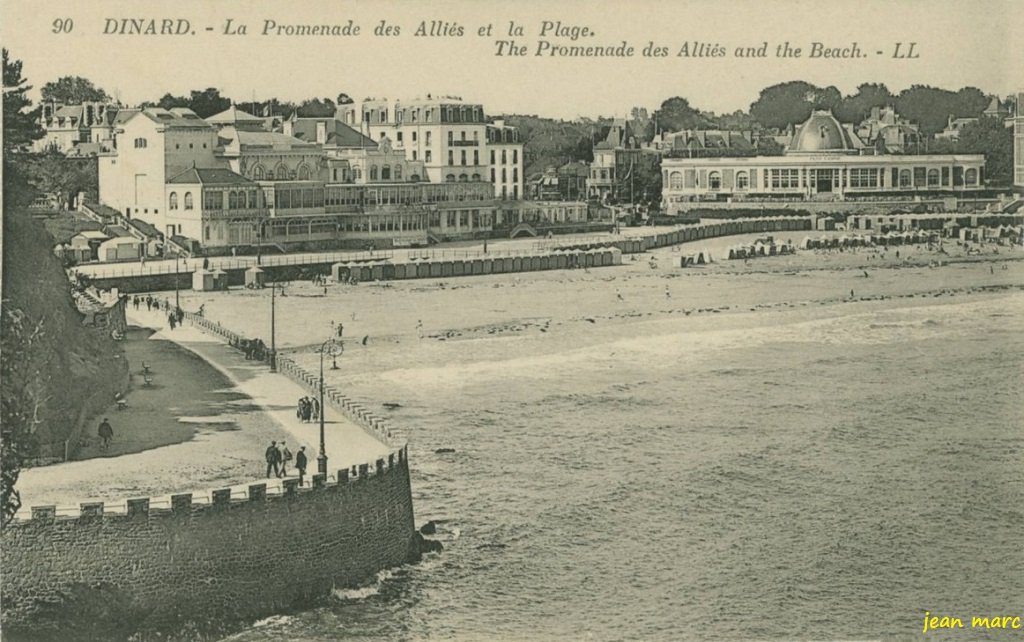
(196, 503)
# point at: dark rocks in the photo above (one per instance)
(422, 545)
(441, 451)
(429, 528)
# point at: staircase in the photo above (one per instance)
(521, 229)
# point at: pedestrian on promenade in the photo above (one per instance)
(180, 314)
(341, 329)
(106, 433)
(300, 463)
(286, 456)
(171, 320)
(298, 407)
(273, 459)
(315, 407)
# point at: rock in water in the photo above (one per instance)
(440, 451)
(429, 528)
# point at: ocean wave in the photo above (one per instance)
(363, 592)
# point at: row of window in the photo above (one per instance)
(857, 178)
(504, 157)
(463, 157)
(450, 114)
(504, 175)
(282, 173)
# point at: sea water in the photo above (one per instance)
(819, 478)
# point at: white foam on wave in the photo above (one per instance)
(363, 592)
(875, 327)
(273, 620)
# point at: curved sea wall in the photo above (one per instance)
(208, 560)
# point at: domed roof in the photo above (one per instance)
(821, 133)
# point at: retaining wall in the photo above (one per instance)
(203, 559)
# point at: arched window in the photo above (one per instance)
(715, 180)
(303, 172)
(257, 173)
(742, 180)
(905, 180)
(232, 201)
(414, 178)
(357, 173)
(675, 180)
(476, 177)
(398, 172)
(450, 178)
(140, 143)
(933, 177)
(188, 200)
(385, 173)
(172, 202)
(971, 177)
(463, 178)
(373, 172)
(281, 172)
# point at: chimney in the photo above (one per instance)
(288, 129)
(321, 132)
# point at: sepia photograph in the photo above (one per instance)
(468, 320)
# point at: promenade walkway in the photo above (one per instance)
(212, 459)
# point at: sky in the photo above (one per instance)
(959, 43)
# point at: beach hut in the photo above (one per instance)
(202, 280)
(220, 279)
(255, 277)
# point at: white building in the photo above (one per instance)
(505, 160)
(450, 137)
(823, 162)
(153, 145)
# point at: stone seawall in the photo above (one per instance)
(205, 558)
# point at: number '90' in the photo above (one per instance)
(63, 25)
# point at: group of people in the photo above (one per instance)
(149, 300)
(278, 457)
(175, 317)
(308, 409)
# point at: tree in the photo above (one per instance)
(73, 90)
(990, 137)
(931, 107)
(18, 392)
(676, 114)
(791, 103)
(343, 99)
(857, 107)
(170, 102)
(208, 102)
(316, 108)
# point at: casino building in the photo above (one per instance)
(824, 162)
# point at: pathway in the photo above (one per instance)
(214, 458)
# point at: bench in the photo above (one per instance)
(147, 380)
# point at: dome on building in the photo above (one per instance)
(822, 133)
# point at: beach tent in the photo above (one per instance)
(255, 277)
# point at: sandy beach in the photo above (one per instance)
(432, 321)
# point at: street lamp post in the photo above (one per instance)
(177, 305)
(273, 329)
(321, 460)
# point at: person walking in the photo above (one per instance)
(172, 320)
(286, 456)
(315, 408)
(300, 464)
(106, 433)
(273, 455)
